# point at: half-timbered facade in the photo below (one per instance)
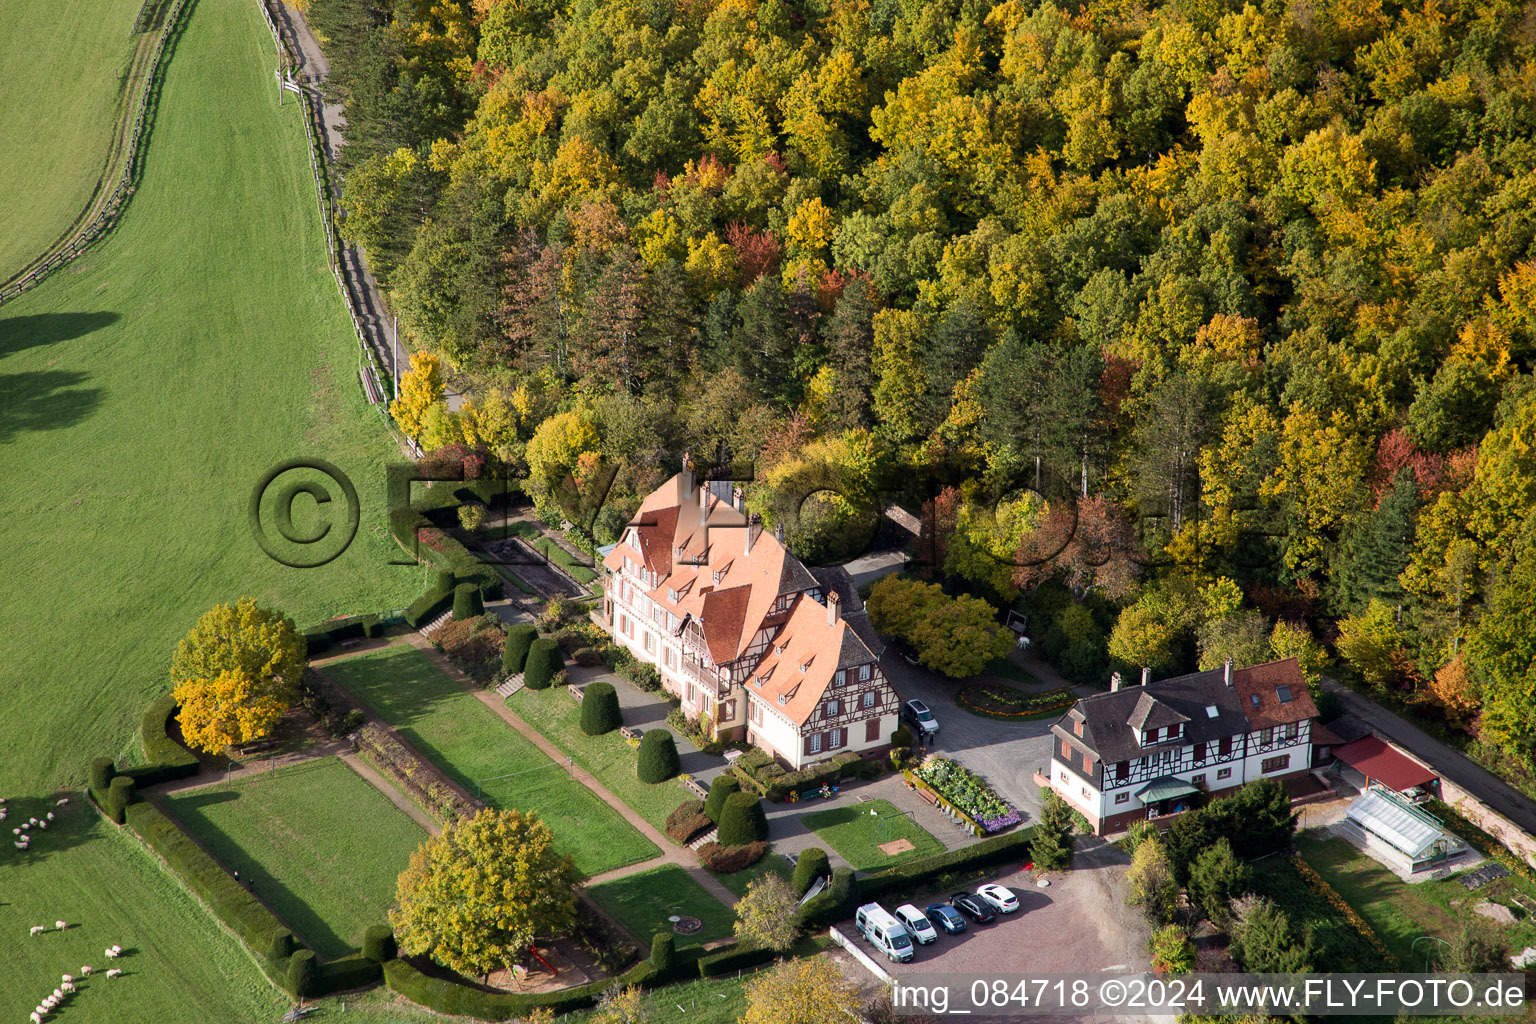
(1143, 751)
(755, 645)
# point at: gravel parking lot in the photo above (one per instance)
(1079, 925)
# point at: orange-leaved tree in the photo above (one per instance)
(235, 674)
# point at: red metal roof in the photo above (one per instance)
(1379, 762)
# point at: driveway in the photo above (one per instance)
(1006, 754)
(1079, 925)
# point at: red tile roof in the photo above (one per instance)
(1380, 762)
(814, 650)
(1264, 682)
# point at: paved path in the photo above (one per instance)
(671, 852)
(1447, 761)
(388, 788)
(208, 776)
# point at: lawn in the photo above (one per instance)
(643, 902)
(855, 833)
(67, 57)
(773, 863)
(469, 741)
(143, 392)
(704, 1001)
(607, 757)
(321, 845)
(1400, 913)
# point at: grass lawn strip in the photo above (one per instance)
(322, 846)
(607, 757)
(855, 833)
(468, 741)
(773, 863)
(644, 901)
(158, 377)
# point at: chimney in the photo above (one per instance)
(1146, 674)
(754, 527)
(687, 476)
(1226, 673)
(738, 498)
(704, 497)
(778, 533)
(1115, 682)
(834, 607)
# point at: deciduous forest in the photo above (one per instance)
(1194, 331)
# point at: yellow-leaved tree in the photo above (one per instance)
(236, 673)
(808, 991)
(474, 896)
(421, 387)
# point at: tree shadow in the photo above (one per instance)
(42, 329)
(73, 824)
(44, 400)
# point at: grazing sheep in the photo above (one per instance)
(68, 987)
(111, 952)
(115, 972)
(42, 824)
(117, 950)
(37, 1018)
(38, 929)
(21, 846)
(69, 977)
(61, 925)
(86, 970)
(49, 815)
(61, 803)
(34, 821)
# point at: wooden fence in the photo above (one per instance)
(75, 244)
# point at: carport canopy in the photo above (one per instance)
(1378, 762)
(1168, 787)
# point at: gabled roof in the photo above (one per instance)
(1109, 734)
(1281, 693)
(1151, 713)
(721, 613)
(793, 676)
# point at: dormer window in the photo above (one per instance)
(672, 594)
(804, 666)
(783, 699)
(1284, 693)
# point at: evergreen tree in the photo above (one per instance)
(849, 335)
(1215, 879)
(1379, 548)
(760, 345)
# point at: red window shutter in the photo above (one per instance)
(872, 730)
(1199, 751)
(1226, 745)
(1066, 750)
(807, 744)
(1122, 769)
(1077, 727)
(1087, 762)
(1151, 735)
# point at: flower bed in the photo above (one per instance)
(969, 795)
(995, 700)
(1317, 884)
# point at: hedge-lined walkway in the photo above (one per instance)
(671, 853)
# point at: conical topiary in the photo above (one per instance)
(742, 821)
(466, 602)
(723, 786)
(658, 759)
(543, 662)
(514, 653)
(600, 709)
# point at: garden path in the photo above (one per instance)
(399, 799)
(672, 853)
(210, 776)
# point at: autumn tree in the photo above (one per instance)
(810, 990)
(1150, 883)
(235, 674)
(1372, 642)
(421, 388)
(955, 636)
(474, 896)
(766, 915)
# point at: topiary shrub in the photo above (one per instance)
(279, 945)
(663, 953)
(543, 662)
(724, 785)
(119, 796)
(901, 737)
(686, 821)
(742, 820)
(813, 864)
(658, 760)
(600, 709)
(101, 775)
(301, 973)
(727, 860)
(466, 602)
(514, 653)
(379, 943)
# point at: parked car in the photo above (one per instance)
(917, 713)
(884, 932)
(1000, 897)
(916, 924)
(973, 907)
(943, 916)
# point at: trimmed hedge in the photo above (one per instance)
(996, 850)
(227, 898)
(663, 954)
(724, 785)
(168, 760)
(349, 972)
(301, 973)
(657, 760)
(101, 774)
(543, 662)
(727, 860)
(431, 603)
(514, 653)
(777, 786)
(466, 602)
(456, 998)
(686, 821)
(280, 946)
(600, 709)
(742, 820)
(119, 795)
(733, 958)
(332, 632)
(813, 864)
(379, 943)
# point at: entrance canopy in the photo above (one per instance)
(1169, 787)
(1378, 762)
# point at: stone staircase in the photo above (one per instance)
(437, 623)
(707, 837)
(512, 685)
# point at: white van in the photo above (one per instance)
(916, 923)
(884, 932)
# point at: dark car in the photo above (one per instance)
(943, 916)
(973, 907)
(921, 718)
